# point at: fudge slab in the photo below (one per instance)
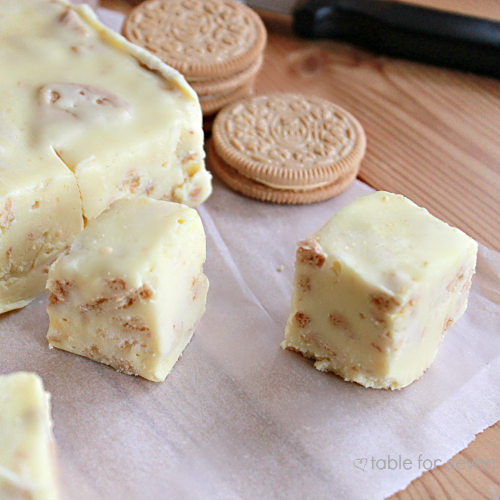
(131, 289)
(85, 118)
(376, 288)
(27, 452)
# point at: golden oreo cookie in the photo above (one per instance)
(200, 38)
(213, 86)
(289, 142)
(212, 103)
(259, 191)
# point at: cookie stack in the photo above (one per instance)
(286, 148)
(217, 45)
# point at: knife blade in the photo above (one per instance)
(280, 6)
(405, 30)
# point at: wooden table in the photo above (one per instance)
(433, 136)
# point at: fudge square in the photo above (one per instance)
(376, 288)
(131, 289)
(27, 452)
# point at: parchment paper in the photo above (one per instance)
(238, 417)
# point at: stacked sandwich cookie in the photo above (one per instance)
(217, 45)
(286, 148)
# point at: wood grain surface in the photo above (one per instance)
(433, 136)
(489, 9)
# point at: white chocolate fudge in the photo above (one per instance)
(376, 288)
(27, 451)
(85, 118)
(40, 216)
(131, 290)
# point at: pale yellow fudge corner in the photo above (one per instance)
(131, 289)
(40, 215)
(376, 288)
(27, 451)
(138, 127)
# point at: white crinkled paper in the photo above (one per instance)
(240, 418)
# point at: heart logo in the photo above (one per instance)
(360, 463)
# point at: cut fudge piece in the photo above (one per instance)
(376, 288)
(27, 452)
(85, 118)
(40, 216)
(131, 289)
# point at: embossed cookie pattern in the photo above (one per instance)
(197, 37)
(289, 140)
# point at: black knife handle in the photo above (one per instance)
(403, 30)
